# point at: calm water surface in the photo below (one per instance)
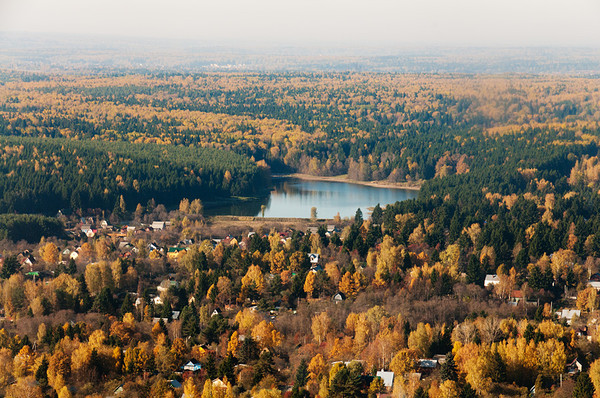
(292, 197)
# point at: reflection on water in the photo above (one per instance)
(292, 197)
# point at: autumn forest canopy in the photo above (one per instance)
(219, 134)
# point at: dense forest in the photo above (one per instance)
(45, 175)
(485, 285)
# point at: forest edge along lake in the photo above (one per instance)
(294, 196)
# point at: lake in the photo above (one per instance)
(293, 197)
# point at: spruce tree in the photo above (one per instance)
(448, 370)
(583, 387)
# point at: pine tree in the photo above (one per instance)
(11, 265)
(583, 387)
(127, 305)
(358, 217)
(210, 366)
(227, 367)
(189, 321)
(41, 374)
(448, 370)
(302, 374)
(497, 368)
(377, 214)
(420, 392)
(468, 392)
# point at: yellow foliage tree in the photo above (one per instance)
(24, 387)
(49, 253)
(246, 319)
(207, 391)
(59, 368)
(266, 335)
(317, 367)
(254, 277)
(190, 389)
(309, 284)
(346, 285)
(404, 362)
(23, 362)
(233, 344)
(595, 374)
(587, 299)
(420, 339)
(320, 326)
(65, 393)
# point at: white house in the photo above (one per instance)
(387, 377)
(160, 225)
(594, 284)
(192, 366)
(568, 314)
(491, 280)
(314, 258)
(574, 367)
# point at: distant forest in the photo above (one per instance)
(73, 141)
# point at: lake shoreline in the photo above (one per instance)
(414, 186)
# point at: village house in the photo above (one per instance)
(491, 280)
(568, 314)
(574, 367)
(388, 379)
(175, 252)
(594, 281)
(339, 297)
(158, 225)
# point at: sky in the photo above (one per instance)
(572, 23)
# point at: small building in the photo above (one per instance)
(192, 366)
(387, 377)
(175, 384)
(594, 284)
(174, 252)
(574, 367)
(339, 297)
(166, 284)
(568, 314)
(118, 390)
(314, 258)
(158, 225)
(491, 280)
(313, 230)
(516, 296)
(426, 366)
(316, 268)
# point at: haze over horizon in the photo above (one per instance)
(377, 23)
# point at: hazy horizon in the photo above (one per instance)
(311, 23)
